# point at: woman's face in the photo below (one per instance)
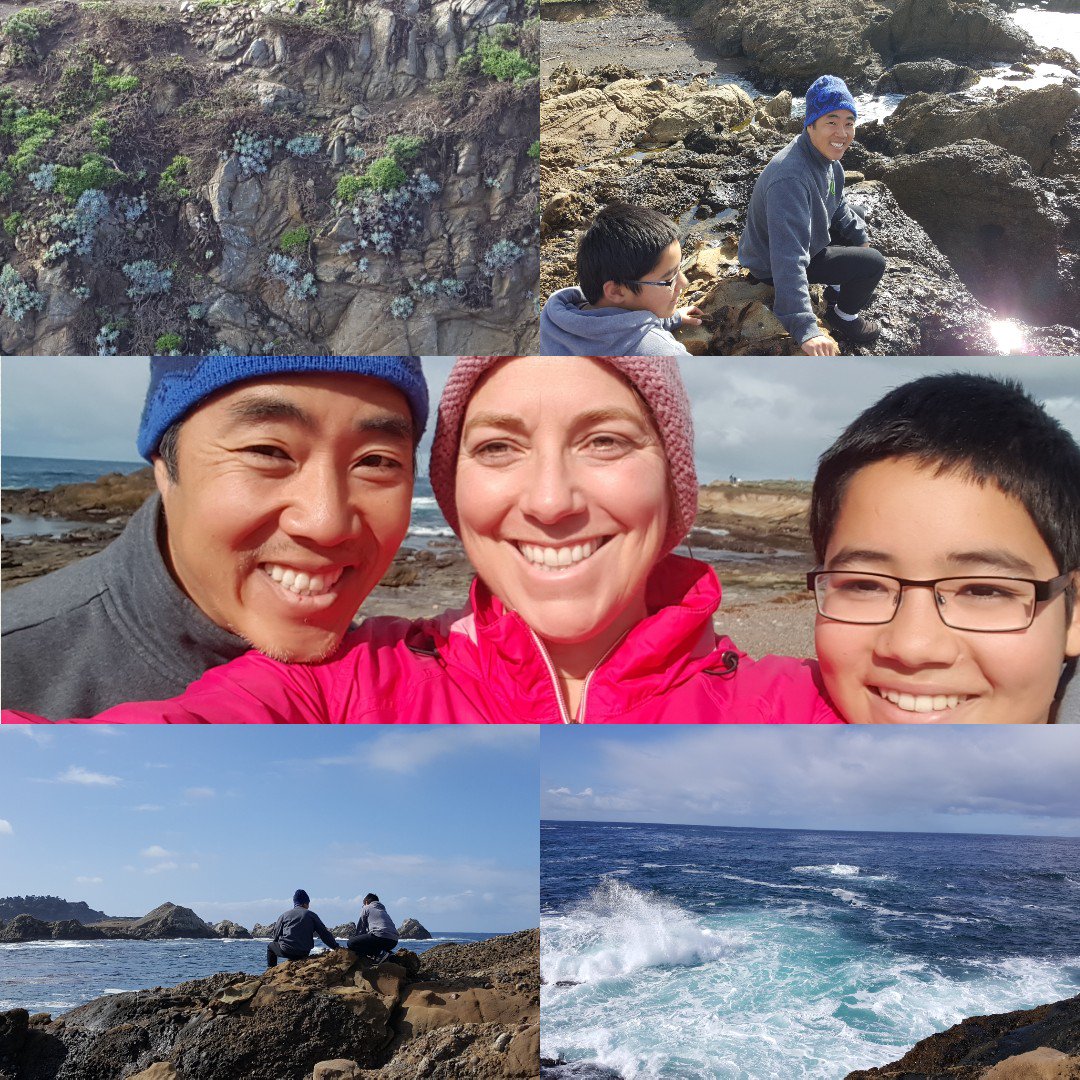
(563, 495)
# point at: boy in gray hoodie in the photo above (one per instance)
(800, 229)
(630, 278)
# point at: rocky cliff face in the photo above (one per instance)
(459, 1011)
(1031, 1044)
(974, 234)
(48, 907)
(280, 176)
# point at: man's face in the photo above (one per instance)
(833, 133)
(902, 519)
(659, 299)
(293, 495)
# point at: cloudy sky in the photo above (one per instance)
(759, 418)
(440, 822)
(1007, 780)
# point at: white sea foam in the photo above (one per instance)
(798, 999)
(836, 869)
(430, 530)
(620, 930)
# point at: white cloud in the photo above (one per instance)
(200, 792)
(43, 736)
(148, 808)
(156, 851)
(5, 828)
(162, 867)
(403, 750)
(88, 880)
(76, 774)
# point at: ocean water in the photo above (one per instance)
(56, 976)
(428, 524)
(745, 954)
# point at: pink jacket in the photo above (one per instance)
(487, 666)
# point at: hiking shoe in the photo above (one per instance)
(859, 331)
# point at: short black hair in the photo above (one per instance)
(989, 427)
(622, 245)
(371, 897)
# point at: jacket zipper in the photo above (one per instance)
(564, 710)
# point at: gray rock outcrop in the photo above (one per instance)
(411, 930)
(229, 929)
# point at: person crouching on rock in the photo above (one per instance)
(375, 930)
(629, 282)
(800, 229)
(294, 932)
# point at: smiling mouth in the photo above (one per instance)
(839, 145)
(302, 583)
(560, 558)
(922, 703)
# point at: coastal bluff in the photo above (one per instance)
(166, 921)
(456, 1011)
(1030, 1044)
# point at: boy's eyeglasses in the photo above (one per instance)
(662, 284)
(991, 605)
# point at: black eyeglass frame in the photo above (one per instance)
(1044, 591)
(665, 284)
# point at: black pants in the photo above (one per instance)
(857, 270)
(370, 945)
(274, 951)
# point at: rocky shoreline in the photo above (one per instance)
(455, 1011)
(972, 195)
(166, 922)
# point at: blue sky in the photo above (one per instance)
(1006, 780)
(440, 822)
(756, 417)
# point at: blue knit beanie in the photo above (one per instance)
(826, 95)
(178, 384)
(299, 898)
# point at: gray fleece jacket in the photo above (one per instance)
(570, 327)
(374, 920)
(797, 200)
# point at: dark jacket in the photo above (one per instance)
(111, 628)
(295, 932)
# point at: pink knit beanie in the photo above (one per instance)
(656, 379)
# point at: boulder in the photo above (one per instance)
(790, 44)
(228, 929)
(1026, 123)
(929, 76)
(977, 1048)
(725, 106)
(170, 921)
(411, 930)
(26, 928)
(1005, 244)
(262, 930)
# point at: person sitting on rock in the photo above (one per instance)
(284, 491)
(629, 281)
(375, 930)
(293, 936)
(801, 230)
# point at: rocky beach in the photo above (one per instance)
(455, 1011)
(754, 533)
(966, 163)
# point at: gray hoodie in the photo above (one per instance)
(570, 327)
(798, 199)
(374, 920)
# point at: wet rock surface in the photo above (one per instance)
(1031, 1044)
(469, 1011)
(981, 248)
(789, 44)
(235, 124)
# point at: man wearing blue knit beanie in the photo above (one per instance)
(284, 491)
(800, 229)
